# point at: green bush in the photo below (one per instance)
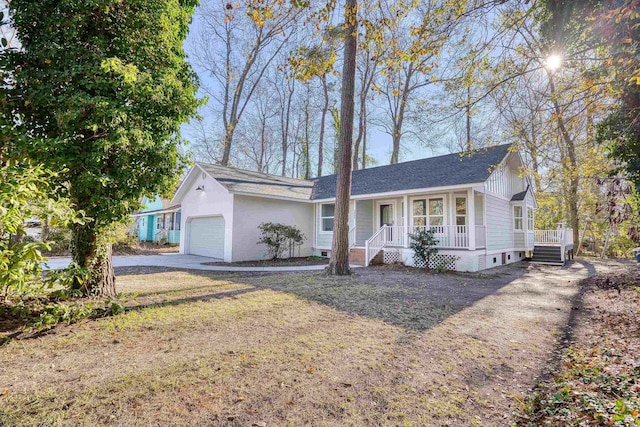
(279, 238)
(423, 244)
(59, 240)
(123, 240)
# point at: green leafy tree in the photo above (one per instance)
(23, 193)
(101, 87)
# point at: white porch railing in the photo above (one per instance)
(562, 237)
(549, 237)
(374, 244)
(448, 236)
(161, 236)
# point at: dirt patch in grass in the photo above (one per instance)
(598, 376)
(146, 248)
(380, 347)
(142, 248)
(285, 262)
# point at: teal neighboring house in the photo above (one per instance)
(158, 221)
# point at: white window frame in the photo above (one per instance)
(516, 218)
(427, 198)
(426, 211)
(530, 219)
(159, 222)
(444, 211)
(322, 218)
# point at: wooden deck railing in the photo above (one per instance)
(562, 237)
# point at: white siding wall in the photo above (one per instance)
(479, 208)
(214, 200)
(250, 212)
(499, 223)
(519, 238)
(364, 220)
(505, 179)
(517, 182)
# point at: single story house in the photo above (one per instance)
(479, 205)
(159, 221)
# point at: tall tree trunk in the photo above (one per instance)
(284, 126)
(228, 139)
(91, 251)
(323, 120)
(364, 146)
(533, 152)
(397, 126)
(306, 158)
(263, 142)
(468, 116)
(339, 264)
(571, 168)
(361, 128)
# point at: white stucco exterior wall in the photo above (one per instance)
(250, 212)
(214, 200)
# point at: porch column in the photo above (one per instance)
(471, 209)
(405, 215)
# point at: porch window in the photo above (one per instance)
(160, 222)
(327, 212)
(419, 213)
(530, 219)
(170, 217)
(517, 218)
(436, 212)
(178, 218)
(461, 211)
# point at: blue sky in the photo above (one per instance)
(379, 144)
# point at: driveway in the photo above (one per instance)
(172, 260)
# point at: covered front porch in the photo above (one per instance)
(456, 217)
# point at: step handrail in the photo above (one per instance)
(374, 244)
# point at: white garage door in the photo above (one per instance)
(206, 237)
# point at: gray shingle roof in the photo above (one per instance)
(450, 169)
(259, 184)
(520, 196)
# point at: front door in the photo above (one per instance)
(386, 218)
(386, 215)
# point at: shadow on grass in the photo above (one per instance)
(409, 298)
(404, 297)
(566, 333)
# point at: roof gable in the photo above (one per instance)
(259, 184)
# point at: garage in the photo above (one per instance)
(206, 236)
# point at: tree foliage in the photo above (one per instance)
(24, 192)
(101, 89)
